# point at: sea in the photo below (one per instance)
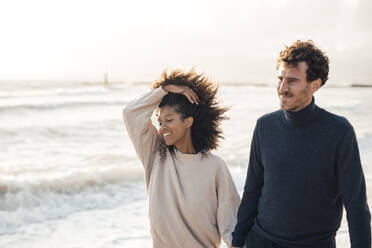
(69, 175)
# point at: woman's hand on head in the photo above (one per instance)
(184, 90)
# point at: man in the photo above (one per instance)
(304, 166)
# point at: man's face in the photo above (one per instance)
(294, 91)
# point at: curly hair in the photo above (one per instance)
(306, 51)
(205, 131)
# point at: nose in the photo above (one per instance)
(162, 128)
(282, 86)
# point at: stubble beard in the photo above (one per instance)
(297, 105)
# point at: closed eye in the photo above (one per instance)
(167, 121)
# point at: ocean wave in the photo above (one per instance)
(72, 182)
(61, 91)
(33, 196)
(52, 106)
(30, 206)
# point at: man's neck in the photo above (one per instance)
(303, 116)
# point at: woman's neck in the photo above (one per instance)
(186, 146)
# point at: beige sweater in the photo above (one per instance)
(193, 201)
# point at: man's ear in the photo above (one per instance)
(316, 84)
(189, 121)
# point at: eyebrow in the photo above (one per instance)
(290, 78)
(166, 116)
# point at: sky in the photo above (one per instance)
(133, 41)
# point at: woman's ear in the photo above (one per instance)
(189, 121)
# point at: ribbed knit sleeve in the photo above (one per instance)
(143, 134)
(228, 204)
(252, 190)
(353, 190)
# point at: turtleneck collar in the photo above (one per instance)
(303, 116)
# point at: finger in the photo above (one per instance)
(188, 96)
(194, 96)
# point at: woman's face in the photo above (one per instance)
(173, 129)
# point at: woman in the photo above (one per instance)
(193, 201)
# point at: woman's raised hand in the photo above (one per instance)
(184, 90)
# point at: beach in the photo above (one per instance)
(69, 175)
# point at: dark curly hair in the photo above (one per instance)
(205, 131)
(306, 51)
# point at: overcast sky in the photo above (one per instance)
(232, 41)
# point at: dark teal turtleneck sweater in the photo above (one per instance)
(303, 167)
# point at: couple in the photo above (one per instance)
(304, 165)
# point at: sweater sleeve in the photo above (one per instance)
(353, 191)
(143, 134)
(252, 191)
(228, 204)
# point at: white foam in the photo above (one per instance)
(30, 206)
(69, 181)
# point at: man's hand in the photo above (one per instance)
(184, 90)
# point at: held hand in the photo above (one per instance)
(184, 90)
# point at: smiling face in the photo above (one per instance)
(294, 91)
(173, 128)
